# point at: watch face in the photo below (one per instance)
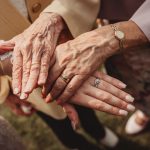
(119, 34)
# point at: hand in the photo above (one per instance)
(19, 107)
(33, 52)
(76, 60)
(79, 58)
(107, 95)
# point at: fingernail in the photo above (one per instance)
(129, 98)
(41, 82)
(122, 85)
(23, 96)
(16, 91)
(28, 89)
(123, 112)
(49, 98)
(130, 107)
(26, 109)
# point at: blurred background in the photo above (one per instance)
(37, 136)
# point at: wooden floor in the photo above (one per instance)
(37, 136)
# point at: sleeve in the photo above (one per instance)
(4, 88)
(79, 15)
(141, 18)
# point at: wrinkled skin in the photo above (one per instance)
(33, 50)
(76, 60)
(108, 97)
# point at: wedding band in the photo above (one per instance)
(97, 82)
(64, 78)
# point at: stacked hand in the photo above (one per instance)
(72, 77)
(33, 50)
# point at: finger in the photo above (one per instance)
(58, 87)
(112, 89)
(93, 103)
(54, 73)
(45, 63)
(71, 88)
(35, 67)
(17, 71)
(56, 90)
(34, 74)
(108, 98)
(72, 115)
(26, 72)
(109, 79)
(47, 58)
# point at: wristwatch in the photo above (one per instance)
(119, 35)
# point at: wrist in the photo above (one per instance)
(133, 34)
(53, 18)
(111, 43)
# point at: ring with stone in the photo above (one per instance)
(97, 82)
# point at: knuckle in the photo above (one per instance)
(103, 84)
(59, 85)
(44, 68)
(35, 67)
(64, 96)
(120, 94)
(104, 96)
(70, 88)
(115, 110)
(99, 106)
(123, 104)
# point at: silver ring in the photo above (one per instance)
(65, 79)
(97, 82)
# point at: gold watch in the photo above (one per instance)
(119, 35)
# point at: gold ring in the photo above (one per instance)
(65, 79)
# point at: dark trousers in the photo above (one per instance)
(70, 138)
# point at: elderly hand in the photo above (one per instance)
(33, 52)
(79, 58)
(76, 60)
(102, 92)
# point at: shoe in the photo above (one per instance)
(136, 123)
(110, 140)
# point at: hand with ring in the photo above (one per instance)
(101, 92)
(76, 60)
